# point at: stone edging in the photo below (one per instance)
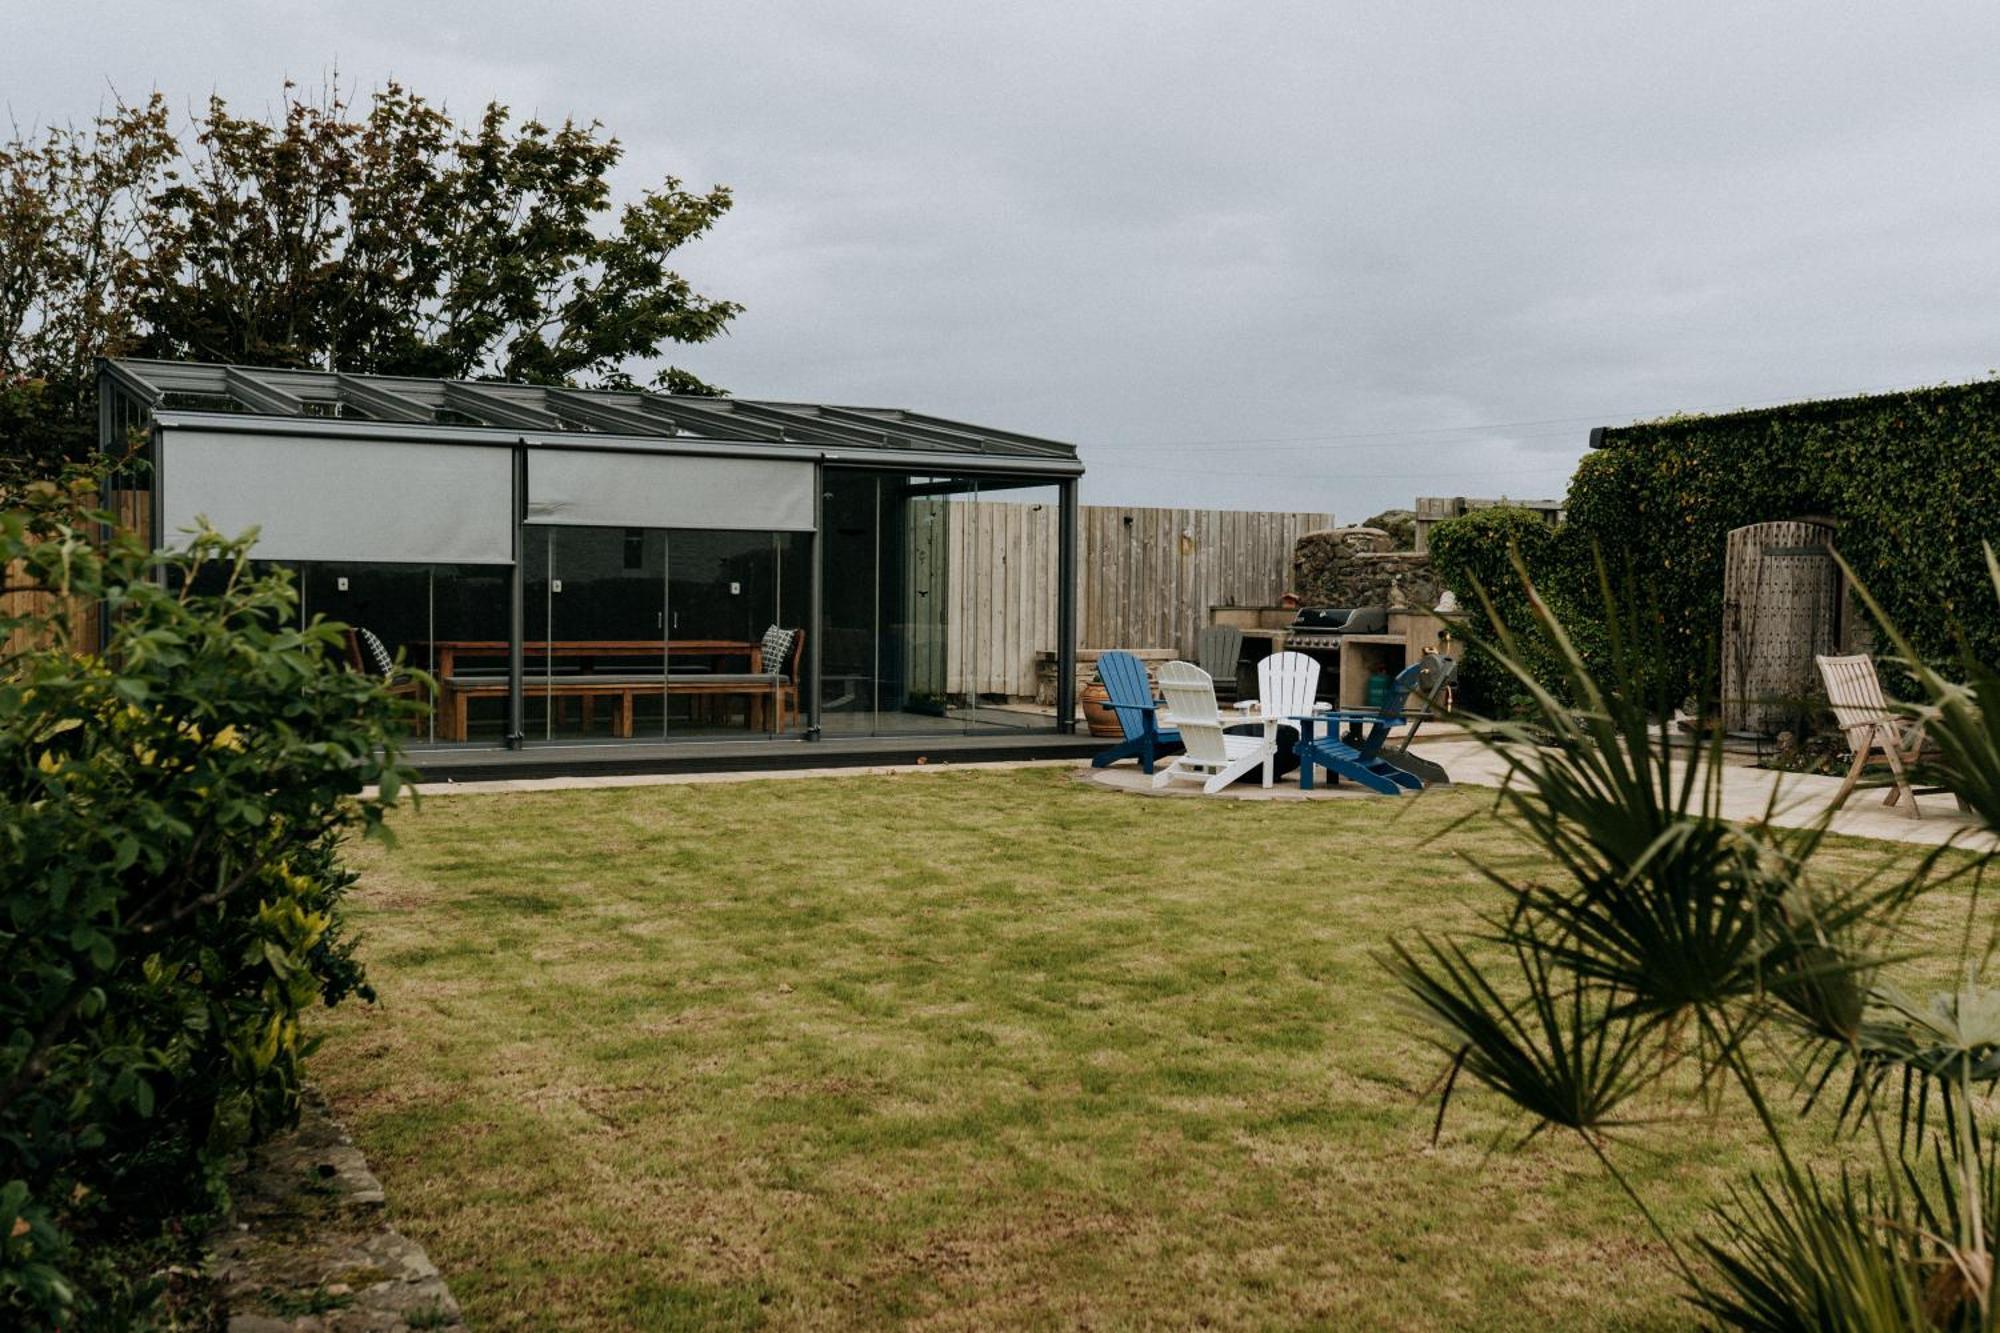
(310, 1249)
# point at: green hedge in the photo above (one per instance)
(1911, 481)
(1475, 552)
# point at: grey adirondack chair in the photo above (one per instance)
(1217, 652)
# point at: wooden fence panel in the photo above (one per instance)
(1146, 578)
(20, 596)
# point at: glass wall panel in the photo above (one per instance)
(922, 529)
(725, 592)
(449, 621)
(850, 596)
(939, 592)
(596, 649)
(651, 634)
(469, 632)
(1011, 539)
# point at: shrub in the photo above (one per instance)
(1474, 555)
(169, 886)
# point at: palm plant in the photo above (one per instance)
(1676, 948)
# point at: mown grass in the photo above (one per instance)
(962, 1050)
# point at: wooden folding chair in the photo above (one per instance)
(1873, 728)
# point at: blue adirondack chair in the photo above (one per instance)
(1124, 678)
(1435, 675)
(1360, 760)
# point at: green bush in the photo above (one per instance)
(1909, 479)
(169, 889)
(1474, 556)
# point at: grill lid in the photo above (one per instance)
(1341, 620)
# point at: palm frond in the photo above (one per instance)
(1559, 1052)
(1797, 1255)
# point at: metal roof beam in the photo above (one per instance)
(132, 382)
(709, 419)
(495, 410)
(379, 402)
(810, 426)
(914, 430)
(596, 409)
(1000, 440)
(255, 394)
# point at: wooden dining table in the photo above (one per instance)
(585, 681)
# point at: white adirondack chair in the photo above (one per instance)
(1854, 692)
(1286, 686)
(1211, 755)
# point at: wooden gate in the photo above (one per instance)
(1780, 605)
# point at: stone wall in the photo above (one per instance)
(1356, 567)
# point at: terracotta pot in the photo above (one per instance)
(1097, 712)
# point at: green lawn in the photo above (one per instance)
(963, 1050)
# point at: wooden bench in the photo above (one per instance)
(773, 696)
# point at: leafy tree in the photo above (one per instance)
(386, 238)
(73, 208)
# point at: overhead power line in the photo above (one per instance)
(1366, 439)
(1331, 478)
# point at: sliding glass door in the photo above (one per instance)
(736, 604)
(659, 634)
(595, 650)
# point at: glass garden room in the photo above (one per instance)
(574, 566)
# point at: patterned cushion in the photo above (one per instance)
(778, 649)
(375, 653)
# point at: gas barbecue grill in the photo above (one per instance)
(1323, 627)
(1317, 631)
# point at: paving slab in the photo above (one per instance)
(1787, 800)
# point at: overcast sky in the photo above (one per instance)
(1312, 256)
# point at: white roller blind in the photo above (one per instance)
(334, 499)
(669, 491)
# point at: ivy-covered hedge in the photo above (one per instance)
(1911, 481)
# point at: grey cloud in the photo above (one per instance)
(1165, 229)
